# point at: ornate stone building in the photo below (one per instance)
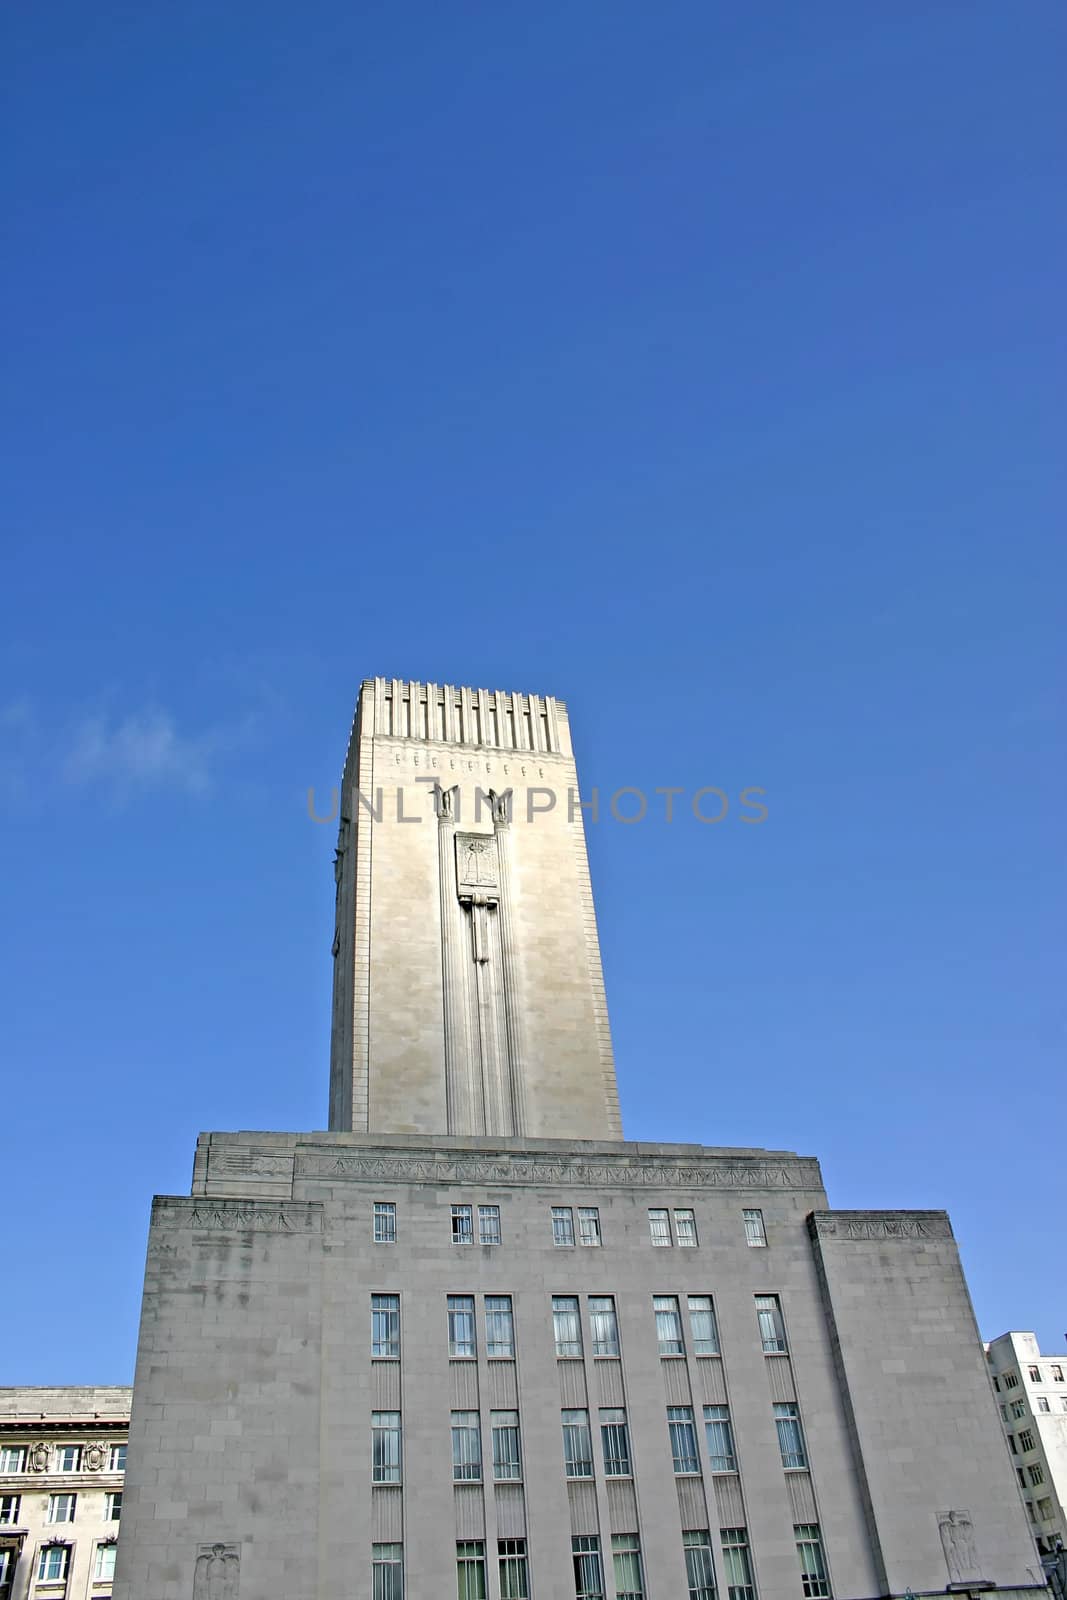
(471, 1340)
(62, 1465)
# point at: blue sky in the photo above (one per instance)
(701, 365)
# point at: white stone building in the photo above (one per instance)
(1031, 1391)
(62, 1465)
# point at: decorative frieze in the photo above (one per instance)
(596, 1173)
(238, 1216)
(880, 1225)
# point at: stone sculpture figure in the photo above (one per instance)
(957, 1541)
(218, 1568)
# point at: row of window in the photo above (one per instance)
(627, 1564)
(567, 1325)
(481, 1224)
(53, 1563)
(1019, 1408)
(1011, 1379)
(68, 1458)
(1036, 1473)
(61, 1507)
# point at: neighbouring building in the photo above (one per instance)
(1031, 1391)
(62, 1464)
(471, 1340)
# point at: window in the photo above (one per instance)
(1045, 1511)
(387, 1571)
(1010, 1381)
(1021, 1475)
(1036, 1475)
(61, 1507)
(461, 1335)
(514, 1570)
(489, 1224)
(385, 1327)
(812, 1561)
(738, 1564)
(9, 1508)
(668, 1325)
(462, 1225)
(116, 1461)
(615, 1438)
(385, 1446)
(604, 1325)
(771, 1326)
(1026, 1439)
(384, 1222)
(1018, 1409)
(466, 1447)
(12, 1459)
(588, 1225)
(996, 1384)
(562, 1226)
(755, 1232)
(699, 1565)
(1012, 1445)
(507, 1455)
(52, 1563)
(588, 1571)
(683, 1438)
(1035, 1374)
(1063, 1403)
(720, 1439)
(113, 1505)
(626, 1558)
(104, 1563)
(790, 1435)
(499, 1326)
(1057, 1374)
(659, 1226)
(703, 1330)
(577, 1445)
(567, 1324)
(1042, 1403)
(68, 1458)
(470, 1569)
(685, 1227)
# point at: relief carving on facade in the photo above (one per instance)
(94, 1456)
(957, 1541)
(648, 1172)
(218, 1572)
(40, 1456)
(882, 1224)
(238, 1216)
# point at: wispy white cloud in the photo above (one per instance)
(144, 750)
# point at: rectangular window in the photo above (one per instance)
(514, 1569)
(384, 1222)
(385, 1327)
(385, 1446)
(562, 1226)
(812, 1561)
(12, 1459)
(703, 1329)
(466, 1447)
(1010, 1381)
(1036, 1475)
(113, 1505)
(738, 1564)
(685, 1227)
(1011, 1444)
(720, 1439)
(9, 1508)
(61, 1507)
(626, 1558)
(116, 1461)
(790, 1435)
(68, 1458)
(604, 1325)
(1035, 1374)
(1057, 1374)
(488, 1224)
(52, 1563)
(1042, 1403)
(755, 1232)
(1018, 1409)
(589, 1225)
(1021, 1475)
(577, 1445)
(462, 1344)
(499, 1326)
(683, 1438)
(507, 1453)
(462, 1225)
(1026, 1439)
(470, 1569)
(771, 1326)
(567, 1325)
(387, 1571)
(699, 1565)
(659, 1225)
(588, 1570)
(615, 1438)
(104, 1563)
(668, 1324)
(1045, 1509)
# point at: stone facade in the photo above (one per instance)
(1031, 1391)
(62, 1466)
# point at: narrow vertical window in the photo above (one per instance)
(813, 1574)
(462, 1225)
(699, 1564)
(52, 1563)
(113, 1505)
(703, 1329)
(385, 1327)
(685, 1227)
(790, 1435)
(489, 1224)
(507, 1452)
(659, 1225)
(615, 1438)
(461, 1335)
(577, 1444)
(567, 1325)
(562, 1226)
(117, 1458)
(771, 1326)
(589, 1225)
(387, 1572)
(499, 1326)
(9, 1509)
(668, 1324)
(738, 1564)
(588, 1570)
(720, 1439)
(384, 1222)
(626, 1558)
(470, 1569)
(755, 1232)
(683, 1439)
(385, 1446)
(61, 1507)
(13, 1459)
(466, 1447)
(604, 1325)
(104, 1563)
(514, 1569)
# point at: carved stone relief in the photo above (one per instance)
(218, 1572)
(240, 1216)
(40, 1456)
(957, 1541)
(882, 1224)
(523, 1169)
(94, 1457)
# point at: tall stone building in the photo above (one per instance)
(473, 1341)
(1031, 1390)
